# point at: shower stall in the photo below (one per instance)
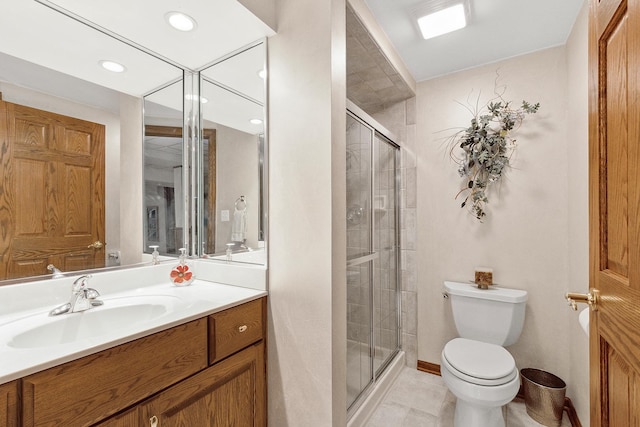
(373, 322)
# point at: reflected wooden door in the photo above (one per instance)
(614, 217)
(51, 192)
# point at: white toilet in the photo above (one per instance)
(475, 367)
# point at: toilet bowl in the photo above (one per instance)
(483, 377)
(476, 368)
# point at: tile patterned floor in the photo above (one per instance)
(418, 399)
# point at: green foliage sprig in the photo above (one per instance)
(487, 146)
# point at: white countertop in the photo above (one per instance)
(197, 300)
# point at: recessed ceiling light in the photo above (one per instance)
(192, 97)
(443, 21)
(112, 66)
(255, 121)
(262, 73)
(180, 21)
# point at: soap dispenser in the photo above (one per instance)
(155, 255)
(229, 251)
(182, 274)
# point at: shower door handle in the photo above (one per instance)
(362, 259)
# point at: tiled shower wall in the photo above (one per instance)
(400, 119)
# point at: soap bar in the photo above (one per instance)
(484, 277)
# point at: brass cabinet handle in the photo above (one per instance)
(96, 245)
(153, 421)
(243, 328)
(575, 298)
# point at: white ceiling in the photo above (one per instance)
(34, 32)
(498, 29)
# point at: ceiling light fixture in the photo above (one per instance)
(191, 97)
(112, 66)
(180, 21)
(442, 21)
(255, 121)
(262, 73)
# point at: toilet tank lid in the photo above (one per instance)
(494, 293)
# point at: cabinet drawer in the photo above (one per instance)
(87, 390)
(235, 328)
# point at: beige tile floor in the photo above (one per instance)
(418, 399)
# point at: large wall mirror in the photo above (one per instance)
(234, 181)
(69, 130)
(71, 133)
(231, 184)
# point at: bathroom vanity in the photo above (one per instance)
(209, 371)
(152, 355)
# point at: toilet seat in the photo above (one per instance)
(479, 362)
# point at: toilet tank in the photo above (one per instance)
(494, 315)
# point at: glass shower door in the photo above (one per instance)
(372, 256)
(359, 259)
(385, 245)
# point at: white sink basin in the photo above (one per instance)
(42, 330)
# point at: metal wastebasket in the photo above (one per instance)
(543, 396)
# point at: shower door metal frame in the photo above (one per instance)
(378, 130)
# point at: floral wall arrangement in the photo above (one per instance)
(486, 147)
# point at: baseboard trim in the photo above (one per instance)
(428, 367)
(434, 368)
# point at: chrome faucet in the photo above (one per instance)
(55, 271)
(82, 298)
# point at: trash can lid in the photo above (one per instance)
(479, 359)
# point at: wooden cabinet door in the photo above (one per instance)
(9, 404)
(614, 136)
(228, 394)
(126, 419)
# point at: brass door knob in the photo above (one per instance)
(96, 245)
(575, 298)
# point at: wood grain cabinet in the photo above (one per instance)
(9, 404)
(229, 393)
(166, 379)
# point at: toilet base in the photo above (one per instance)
(468, 415)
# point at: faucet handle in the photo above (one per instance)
(91, 293)
(80, 283)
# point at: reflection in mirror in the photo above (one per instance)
(55, 70)
(71, 142)
(164, 218)
(233, 92)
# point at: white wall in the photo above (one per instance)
(237, 175)
(526, 235)
(131, 161)
(307, 224)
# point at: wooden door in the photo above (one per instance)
(614, 217)
(230, 393)
(51, 192)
